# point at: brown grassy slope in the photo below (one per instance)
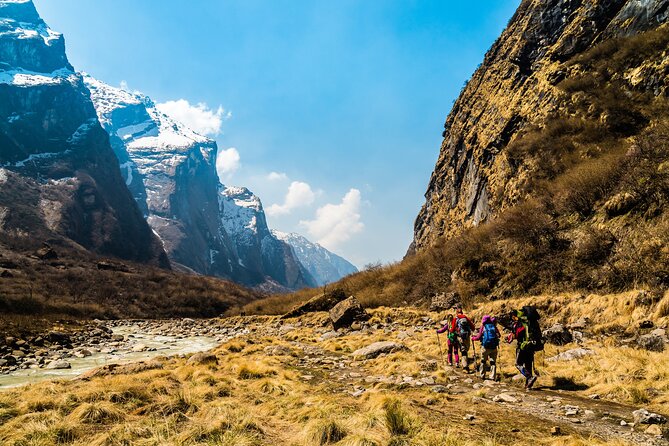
(72, 286)
(253, 398)
(593, 216)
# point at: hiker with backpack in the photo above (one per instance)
(452, 337)
(489, 336)
(464, 327)
(527, 333)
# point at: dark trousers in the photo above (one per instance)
(525, 359)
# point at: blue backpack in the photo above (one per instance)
(490, 338)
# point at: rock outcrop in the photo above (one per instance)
(516, 88)
(59, 178)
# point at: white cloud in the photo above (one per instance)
(336, 223)
(198, 117)
(299, 195)
(277, 176)
(227, 163)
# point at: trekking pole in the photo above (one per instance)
(441, 351)
(476, 359)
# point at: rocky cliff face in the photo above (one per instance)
(171, 172)
(324, 266)
(60, 178)
(256, 248)
(517, 88)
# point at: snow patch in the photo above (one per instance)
(24, 78)
(35, 157)
(128, 177)
(3, 176)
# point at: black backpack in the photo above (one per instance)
(534, 339)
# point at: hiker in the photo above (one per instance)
(489, 336)
(527, 334)
(452, 338)
(464, 327)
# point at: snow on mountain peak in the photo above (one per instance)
(19, 19)
(158, 132)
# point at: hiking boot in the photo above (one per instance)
(531, 382)
(482, 372)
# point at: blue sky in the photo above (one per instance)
(344, 101)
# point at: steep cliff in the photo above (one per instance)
(324, 266)
(60, 178)
(256, 248)
(522, 88)
(171, 171)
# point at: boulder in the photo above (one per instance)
(322, 302)
(505, 398)
(139, 348)
(346, 312)
(642, 416)
(377, 348)
(444, 301)
(653, 341)
(58, 365)
(620, 204)
(57, 337)
(46, 252)
(113, 266)
(203, 358)
(558, 335)
(570, 355)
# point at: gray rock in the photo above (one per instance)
(330, 335)
(346, 312)
(202, 358)
(139, 348)
(377, 348)
(651, 342)
(59, 365)
(444, 301)
(505, 398)
(558, 335)
(439, 389)
(642, 416)
(570, 355)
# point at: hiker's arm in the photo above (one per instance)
(478, 335)
(443, 329)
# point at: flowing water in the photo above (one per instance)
(163, 345)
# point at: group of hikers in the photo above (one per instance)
(524, 329)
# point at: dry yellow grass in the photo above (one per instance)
(250, 398)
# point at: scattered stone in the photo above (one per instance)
(570, 355)
(595, 396)
(580, 324)
(469, 417)
(556, 431)
(139, 348)
(377, 348)
(57, 337)
(330, 335)
(346, 312)
(651, 342)
(277, 350)
(59, 365)
(558, 335)
(444, 301)
(571, 411)
(646, 324)
(623, 423)
(642, 416)
(439, 389)
(505, 398)
(203, 358)
(620, 204)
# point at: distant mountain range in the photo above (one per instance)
(102, 168)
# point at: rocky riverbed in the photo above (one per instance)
(58, 354)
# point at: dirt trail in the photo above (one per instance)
(458, 397)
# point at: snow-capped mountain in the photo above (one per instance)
(171, 172)
(325, 266)
(243, 218)
(61, 180)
